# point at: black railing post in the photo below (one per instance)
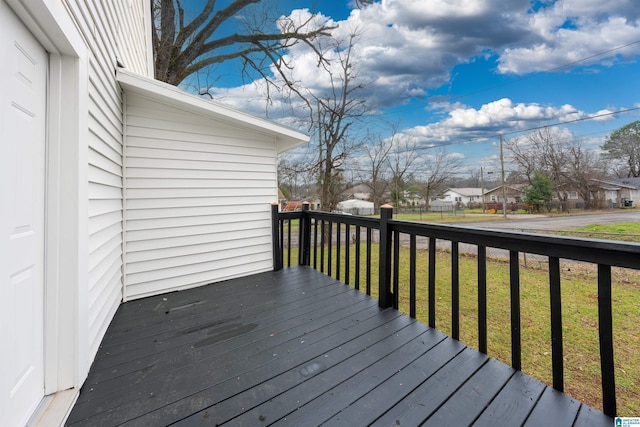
(304, 236)
(385, 297)
(275, 236)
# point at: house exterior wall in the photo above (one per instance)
(495, 195)
(83, 194)
(197, 203)
(111, 29)
(86, 183)
(461, 199)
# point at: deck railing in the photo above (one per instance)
(316, 230)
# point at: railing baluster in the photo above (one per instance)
(482, 299)
(432, 282)
(514, 279)
(330, 248)
(289, 242)
(357, 278)
(282, 244)
(322, 233)
(338, 259)
(315, 244)
(557, 363)
(368, 267)
(412, 276)
(347, 254)
(395, 293)
(605, 328)
(455, 291)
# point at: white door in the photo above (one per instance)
(23, 77)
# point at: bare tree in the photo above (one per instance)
(544, 151)
(434, 170)
(400, 160)
(526, 156)
(377, 151)
(564, 161)
(294, 178)
(185, 46)
(337, 109)
(584, 167)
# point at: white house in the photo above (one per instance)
(356, 207)
(114, 187)
(462, 196)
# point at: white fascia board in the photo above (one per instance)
(286, 138)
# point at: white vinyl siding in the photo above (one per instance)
(111, 29)
(198, 196)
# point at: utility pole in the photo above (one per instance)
(482, 185)
(320, 174)
(504, 189)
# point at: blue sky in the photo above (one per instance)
(457, 73)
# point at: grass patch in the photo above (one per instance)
(580, 316)
(627, 232)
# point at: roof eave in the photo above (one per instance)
(286, 138)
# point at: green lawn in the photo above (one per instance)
(580, 320)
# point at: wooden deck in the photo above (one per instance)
(298, 348)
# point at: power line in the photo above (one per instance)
(582, 119)
(484, 138)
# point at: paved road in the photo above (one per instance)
(526, 222)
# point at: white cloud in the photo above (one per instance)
(575, 31)
(602, 115)
(407, 47)
(467, 125)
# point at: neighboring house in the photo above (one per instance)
(356, 207)
(616, 191)
(413, 199)
(462, 196)
(514, 193)
(148, 189)
(360, 192)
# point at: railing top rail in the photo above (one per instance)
(290, 214)
(604, 252)
(596, 251)
(362, 221)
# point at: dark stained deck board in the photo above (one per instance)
(556, 406)
(296, 347)
(186, 380)
(152, 350)
(264, 380)
(513, 404)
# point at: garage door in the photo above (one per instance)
(23, 76)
